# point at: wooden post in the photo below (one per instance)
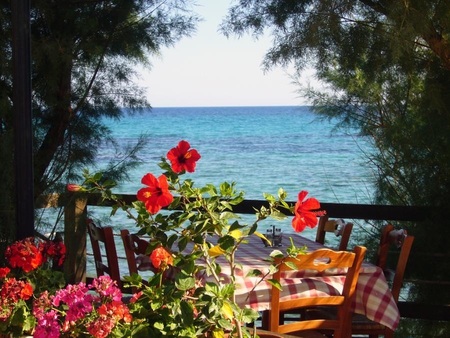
(23, 132)
(75, 213)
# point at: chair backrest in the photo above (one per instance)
(398, 238)
(104, 235)
(319, 260)
(338, 227)
(134, 246)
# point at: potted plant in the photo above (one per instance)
(33, 267)
(190, 227)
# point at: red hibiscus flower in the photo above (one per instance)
(303, 216)
(183, 158)
(161, 256)
(156, 195)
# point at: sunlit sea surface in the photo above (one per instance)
(262, 149)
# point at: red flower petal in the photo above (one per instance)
(181, 158)
(156, 195)
(303, 216)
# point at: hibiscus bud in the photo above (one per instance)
(73, 187)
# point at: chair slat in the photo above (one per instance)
(104, 235)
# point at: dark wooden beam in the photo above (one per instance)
(424, 311)
(23, 138)
(337, 210)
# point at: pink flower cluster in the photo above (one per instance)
(98, 308)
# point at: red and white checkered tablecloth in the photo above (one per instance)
(373, 296)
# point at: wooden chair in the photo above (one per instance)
(319, 260)
(389, 237)
(339, 227)
(104, 235)
(134, 246)
(361, 325)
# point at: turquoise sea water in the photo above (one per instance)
(262, 149)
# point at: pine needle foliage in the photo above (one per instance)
(84, 58)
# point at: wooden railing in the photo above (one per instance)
(75, 213)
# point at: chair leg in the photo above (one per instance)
(389, 334)
(265, 320)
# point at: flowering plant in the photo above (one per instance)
(95, 310)
(188, 296)
(30, 271)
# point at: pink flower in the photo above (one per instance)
(78, 300)
(106, 287)
(48, 326)
(41, 304)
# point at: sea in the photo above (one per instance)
(262, 149)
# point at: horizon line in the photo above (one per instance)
(233, 106)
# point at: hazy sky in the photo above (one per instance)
(210, 70)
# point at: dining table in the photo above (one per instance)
(373, 297)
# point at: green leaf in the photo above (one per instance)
(212, 288)
(228, 215)
(278, 215)
(187, 313)
(97, 177)
(226, 324)
(228, 290)
(237, 200)
(270, 198)
(275, 283)
(272, 269)
(276, 254)
(249, 315)
(291, 265)
(235, 226)
(282, 194)
(184, 282)
(226, 242)
(253, 229)
(182, 243)
(159, 326)
(254, 273)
